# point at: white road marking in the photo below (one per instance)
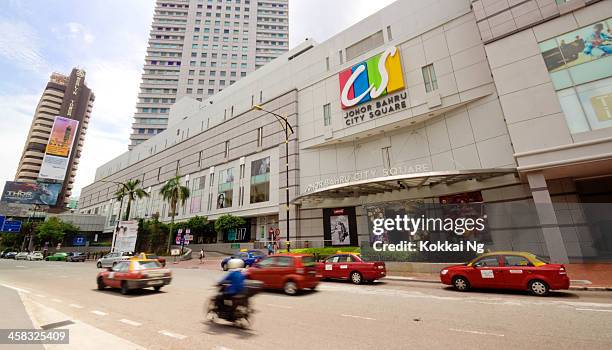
(40, 295)
(56, 300)
(475, 332)
(20, 266)
(15, 288)
(99, 313)
(130, 322)
(221, 348)
(76, 306)
(360, 317)
(280, 306)
(579, 309)
(173, 335)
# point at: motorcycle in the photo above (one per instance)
(237, 309)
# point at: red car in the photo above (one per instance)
(134, 274)
(507, 270)
(351, 266)
(289, 272)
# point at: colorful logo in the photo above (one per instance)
(373, 78)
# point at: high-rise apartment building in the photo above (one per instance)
(199, 47)
(51, 153)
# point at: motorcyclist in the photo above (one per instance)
(233, 283)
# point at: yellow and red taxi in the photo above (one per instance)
(288, 272)
(135, 273)
(352, 267)
(507, 270)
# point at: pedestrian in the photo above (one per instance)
(201, 255)
(270, 249)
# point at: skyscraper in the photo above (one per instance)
(51, 153)
(199, 47)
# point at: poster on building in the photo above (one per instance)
(62, 137)
(340, 227)
(53, 168)
(125, 236)
(40, 193)
(260, 180)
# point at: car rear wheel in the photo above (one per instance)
(115, 263)
(224, 267)
(539, 288)
(101, 285)
(99, 265)
(356, 277)
(157, 288)
(461, 283)
(290, 288)
(124, 288)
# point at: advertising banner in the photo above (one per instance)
(62, 137)
(59, 147)
(126, 234)
(31, 193)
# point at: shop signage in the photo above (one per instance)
(372, 78)
(367, 174)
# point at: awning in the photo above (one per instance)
(400, 182)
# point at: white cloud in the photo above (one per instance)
(321, 19)
(20, 45)
(74, 31)
(17, 114)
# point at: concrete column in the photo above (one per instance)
(548, 218)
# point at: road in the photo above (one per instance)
(392, 315)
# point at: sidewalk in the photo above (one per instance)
(594, 277)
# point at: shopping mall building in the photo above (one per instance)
(490, 108)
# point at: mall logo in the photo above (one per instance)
(373, 78)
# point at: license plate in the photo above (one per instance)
(155, 283)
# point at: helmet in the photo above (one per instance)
(234, 264)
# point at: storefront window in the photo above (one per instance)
(260, 180)
(580, 67)
(225, 188)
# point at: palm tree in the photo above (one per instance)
(131, 190)
(174, 193)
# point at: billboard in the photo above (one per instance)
(62, 137)
(57, 153)
(31, 193)
(125, 236)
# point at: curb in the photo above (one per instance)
(414, 279)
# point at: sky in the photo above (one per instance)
(39, 37)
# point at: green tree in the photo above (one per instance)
(227, 222)
(53, 230)
(131, 191)
(152, 235)
(199, 225)
(173, 193)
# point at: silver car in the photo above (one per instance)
(21, 256)
(110, 259)
(35, 256)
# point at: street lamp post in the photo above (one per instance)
(284, 121)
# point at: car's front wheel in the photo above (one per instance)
(124, 288)
(290, 288)
(539, 288)
(224, 266)
(99, 265)
(101, 285)
(157, 288)
(356, 277)
(461, 283)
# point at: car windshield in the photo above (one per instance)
(308, 261)
(143, 265)
(540, 259)
(151, 256)
(257, 253)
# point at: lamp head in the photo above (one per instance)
(258, 107)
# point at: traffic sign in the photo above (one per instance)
(188, 237)
(11, 226)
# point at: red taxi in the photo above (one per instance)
(289, 272)
(351, 266)
(507, 270)
(135, 273)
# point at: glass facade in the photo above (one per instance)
(225, 188)
(580, 67)
(260, 180)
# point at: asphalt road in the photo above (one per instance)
(393, 315)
